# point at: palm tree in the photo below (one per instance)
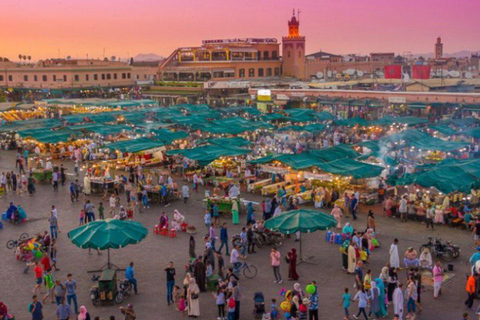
(113, 58)
(25, 58)
(20, 57)
(29, 58)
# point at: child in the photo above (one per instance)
(176, 294)
(303, 309)
(367, 280)
(231, 306)
(101, 210)
(81, 217)
(220, 302)
(208, 220)
(346, 298)
(274, 311)
(182, 306)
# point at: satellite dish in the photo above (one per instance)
(338, 76)
(350, 72)
(359, 73)
(319, 75)
(468, 75)
(329, 73)
(454, 74)
(335, 72)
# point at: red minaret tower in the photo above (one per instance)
(293, 50)
(438, 49)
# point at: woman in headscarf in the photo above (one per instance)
(344, 252)
(439, 215)
(292, 265)
(83, 315)
(192, 299)
(374, 296)
(337, 214)
(381, 298)
(426, 259)
(352, 258)
(191, 248)
(235, 212)
(371, 224)
(297, 291)
(347, 229)
(250, 214)
(294, 307)
(199, 271)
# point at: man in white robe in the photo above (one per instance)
(394, 257)
(398, 301)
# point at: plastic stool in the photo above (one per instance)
(184, 227)
(156, 229)
(173, 233)
(164, 232)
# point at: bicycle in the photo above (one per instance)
(249, 271)
(11, 244)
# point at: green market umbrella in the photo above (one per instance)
(305, 221)
(108, 234)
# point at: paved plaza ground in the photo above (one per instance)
(153, 254)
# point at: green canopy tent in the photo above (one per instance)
(135, 145)
(108, 234)
(304, 221)
(235, 142)
(207, 154)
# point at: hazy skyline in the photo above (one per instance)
(128, 27)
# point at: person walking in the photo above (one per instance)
(237, 296)
(411, 297)
(64, 311)
(55, 180)
(36, 309)
(223, 238)
(53, 224)
(185, 193)
(394, 257)
(71, 286)
(429, 217)
(193, 299)
(361, 297)
(472, 279)
(403, 209)
(31, 184)
(437, 279)
(398, 301)
(275, 263)
(170, 273)
(38, 272)
(59, 291)
(353, 206)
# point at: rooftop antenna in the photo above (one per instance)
(298, 15)
(294, 12)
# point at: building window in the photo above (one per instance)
(1, 77)
(260, 72)
(269, 72)
(35, 78)
(10, 78)
(103, 76)
(274, 54)
(138, 77)
(241, 73)
(115, 76)
(95, 77)
(109, 76)
(251, 72)
(265, 55)
(25, 78)
(128, 75)
(77, 77)
(87, 77)
(54, 78)
(288, 54)
(124, 76)
(44, 78)
(277, 71)
(65, 78)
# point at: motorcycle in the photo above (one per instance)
(266, 237)
(438, 249)
(455, 249)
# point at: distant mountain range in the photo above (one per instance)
(147, 57)
(459, 54)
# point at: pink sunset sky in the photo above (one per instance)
(128, 27)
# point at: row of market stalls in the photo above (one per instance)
(227, 138)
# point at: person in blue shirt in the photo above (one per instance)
(475, 257)
(346, 298)
(129, 275)
(353, 207)
(35, 308)
(313, 307)
(223, 238)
